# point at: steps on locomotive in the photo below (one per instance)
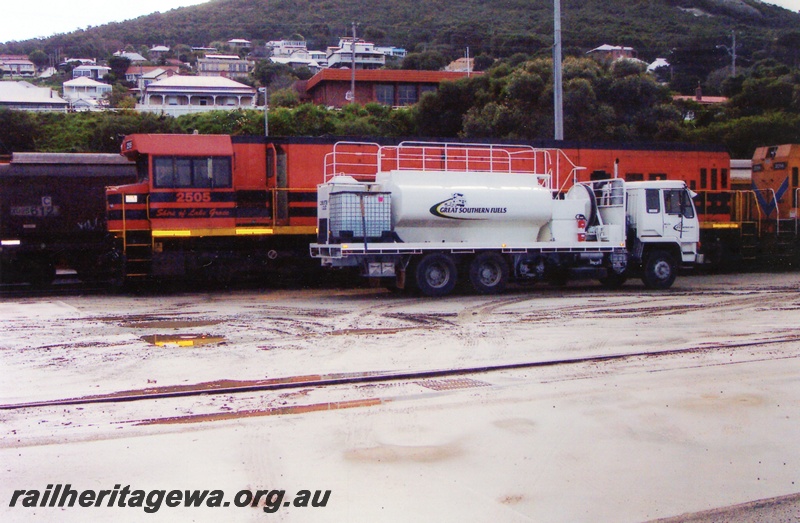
(780, 246)
(138, 254)
(749, 241)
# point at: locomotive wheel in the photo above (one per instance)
(488, 273)
(435, 275)
(660, 270)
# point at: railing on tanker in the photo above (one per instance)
(363, 161)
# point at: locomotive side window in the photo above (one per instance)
(678, 201)
(141, 168)
(174, 172)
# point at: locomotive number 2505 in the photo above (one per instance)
(192, 197)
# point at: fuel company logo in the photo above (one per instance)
(456, 208)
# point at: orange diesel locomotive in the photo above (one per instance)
(214, 206)
(776, 181)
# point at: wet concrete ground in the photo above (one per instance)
(609, 406)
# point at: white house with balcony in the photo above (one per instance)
(366, 56)
(84, 88)
(180, 95)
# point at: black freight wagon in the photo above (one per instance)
(52, 214)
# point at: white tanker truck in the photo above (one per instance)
(428, 216)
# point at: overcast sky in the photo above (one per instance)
(23, 19)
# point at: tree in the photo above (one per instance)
(284, 98)
(119, 66)
(120, 98)
(39, 59)
(425, 61)
(18, 131)
(276, 76)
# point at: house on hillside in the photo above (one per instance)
(157, 51)
(17, 65)
(23, 96)
(179, 95)
(143, 75)
(224, 65)
(85, 88)
(393, 87)
(366, 56)
(240, 43)
(95, 72)
(391, 51)
(135, 58)
(609, 53)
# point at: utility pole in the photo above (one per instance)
(265, 90)
(353, 66)
(558, 91)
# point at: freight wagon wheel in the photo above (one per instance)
(488, 273)
(435, 275)
(40, 271)
(660, 270)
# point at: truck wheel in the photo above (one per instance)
(488, 273)
(613, 280)
(436, 275)
(660, 270)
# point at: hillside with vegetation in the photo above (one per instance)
(511, 40)
(687, 29)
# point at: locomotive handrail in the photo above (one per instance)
(796, 217)
(777, 209)
(124, 228)
(753, 203)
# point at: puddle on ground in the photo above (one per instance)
(182, 340)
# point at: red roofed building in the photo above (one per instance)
(392, 87)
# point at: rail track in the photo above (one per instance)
(361, 378)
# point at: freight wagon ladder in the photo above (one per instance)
(363, 161)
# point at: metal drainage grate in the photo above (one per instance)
(458, 383)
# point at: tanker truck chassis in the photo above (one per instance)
(434, 216)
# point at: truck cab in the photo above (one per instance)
(664, 229)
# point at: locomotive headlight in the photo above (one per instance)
(131, 198)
